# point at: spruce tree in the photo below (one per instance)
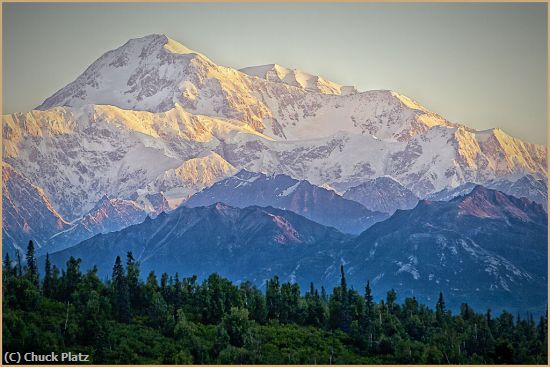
(47, 283)
(324, 296)
(7, 264)
(32, 268)
(120, 289)
(132, 271)
(345, 316)
(164, 286)
(390, 299)
(18, 269)
(6, 274)
(177, 292)
(368, 323)
(343, 284)
(71, 278)
(440, 309)
(368, 296)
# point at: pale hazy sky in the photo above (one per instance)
(484, 65)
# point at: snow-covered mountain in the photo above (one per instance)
(27, 213)
(109, 215)
(154, 116)
(299, 196)
(534, 189)
(155, 73)
(382, 194)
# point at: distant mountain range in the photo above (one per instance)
(299, 196)
(382, 194)
(535, 189)
(486, 248)
(253, 243)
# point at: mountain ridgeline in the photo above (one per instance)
(486, 246)
(299, 196)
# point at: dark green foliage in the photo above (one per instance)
(47, 283)
(18, 269)
(182, 321)
(121, 298)
(32, 267)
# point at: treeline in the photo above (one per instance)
(172, 320)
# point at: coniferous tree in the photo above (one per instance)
(440, 309)
(368, 296)
(8, 268)
(164, 286)
(345, 301)
(132, 277)
(324, 296)
(368, 324)
(343, 283)
(542, 329)
(18, 269)
(177, 292)
(55, 289)
(7, 262)
(47, 282)
(71, 278)
(315, 312)
(7, 274)
(150, 288)
(152, 281)
(339, 305)
(390, 299)
(32, 268)
(120, 290)
(490, 321)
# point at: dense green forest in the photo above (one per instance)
(183, 321)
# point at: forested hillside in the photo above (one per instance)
(172, 320)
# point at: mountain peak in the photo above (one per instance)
(297, 78)
(139, 75)
(155, 39)
(487, 203)
(177, 48)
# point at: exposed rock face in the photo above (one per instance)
(281, 191)
(108, 215)
(251, 243)
(28, 214)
